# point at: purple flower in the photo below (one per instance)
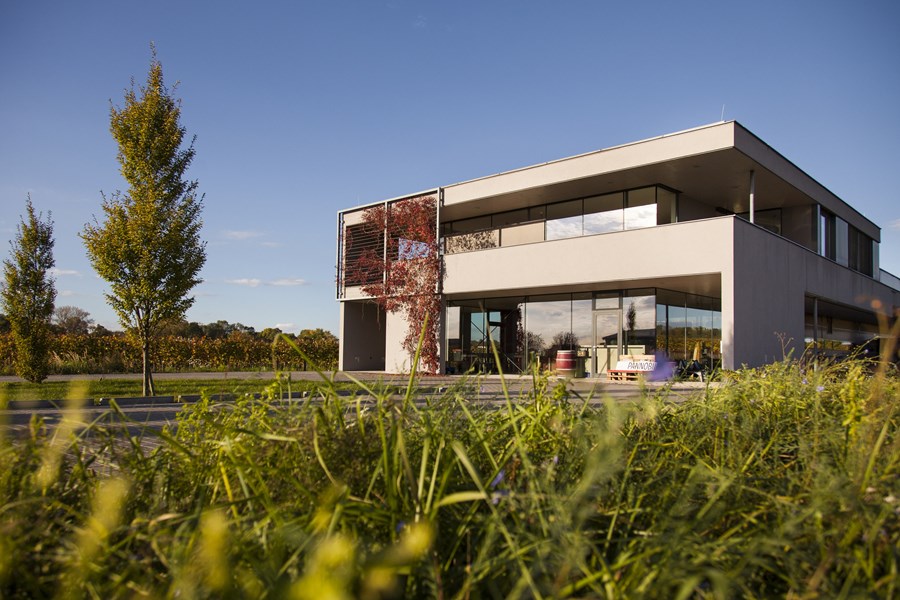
(496, 496)
(498, 479)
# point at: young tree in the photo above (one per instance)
(28, 294)
(149, 247)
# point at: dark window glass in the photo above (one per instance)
(510, 218)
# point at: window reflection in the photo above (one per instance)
(564, 228)
(641, 208)
(603, 214)
(534, 329)
(606, 213)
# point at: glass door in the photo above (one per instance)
(607, 340)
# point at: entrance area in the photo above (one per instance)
(607, 345)
(600, 327)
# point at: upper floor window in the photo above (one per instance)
(827, 234)
(633, 209)
(861, 252)
(769, 219)
(845, 244)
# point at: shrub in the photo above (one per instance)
(781, 482)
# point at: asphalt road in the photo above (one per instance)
(156, 412)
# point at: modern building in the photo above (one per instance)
(706, 241)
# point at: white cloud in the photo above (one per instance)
(895, 224)
(63, 272)
(256, 282)
(284, 326)
(288, 282)
(65, 293)
(241, 235)
(271, 244)
(249, 282)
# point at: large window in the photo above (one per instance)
(689, 326)
(839, 331)
(564, 220)
(640, 208)
(603, 214)
(767, 219)
(827, 235)
(598, 326)
(632, 209)
(844, 243)
(860, 250)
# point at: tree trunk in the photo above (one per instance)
(148, 375)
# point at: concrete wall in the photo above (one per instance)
(362, 337)
(772, 278)
(656, 252)
(371, 340)
(396, 358)
(768, 295)
(691, 210)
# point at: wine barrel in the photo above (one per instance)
(565, 363)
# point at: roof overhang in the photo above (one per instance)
(710, 164)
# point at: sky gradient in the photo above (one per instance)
(303, 108)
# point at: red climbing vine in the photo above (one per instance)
(405, 278)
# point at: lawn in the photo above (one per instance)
(782, 482)
(126, 388)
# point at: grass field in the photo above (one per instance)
(782, 482)
(125, 388)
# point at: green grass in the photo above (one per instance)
(783, 482)
(126, 388)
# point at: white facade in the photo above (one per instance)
(704, 241)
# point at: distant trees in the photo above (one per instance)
(149, 247)
(320, 346)
(28, 293)
(71, 319)
(103, 351)
(563, 340)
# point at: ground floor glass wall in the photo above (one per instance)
(834, 331)
(599, 327)
(689, 327)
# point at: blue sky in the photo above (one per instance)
(303, 108)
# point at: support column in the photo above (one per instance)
(752, 196)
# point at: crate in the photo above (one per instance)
(623, 375)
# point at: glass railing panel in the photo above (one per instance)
(603, 222)
(568, 227)
(522, 234)
(637, 217)
(476, 240)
